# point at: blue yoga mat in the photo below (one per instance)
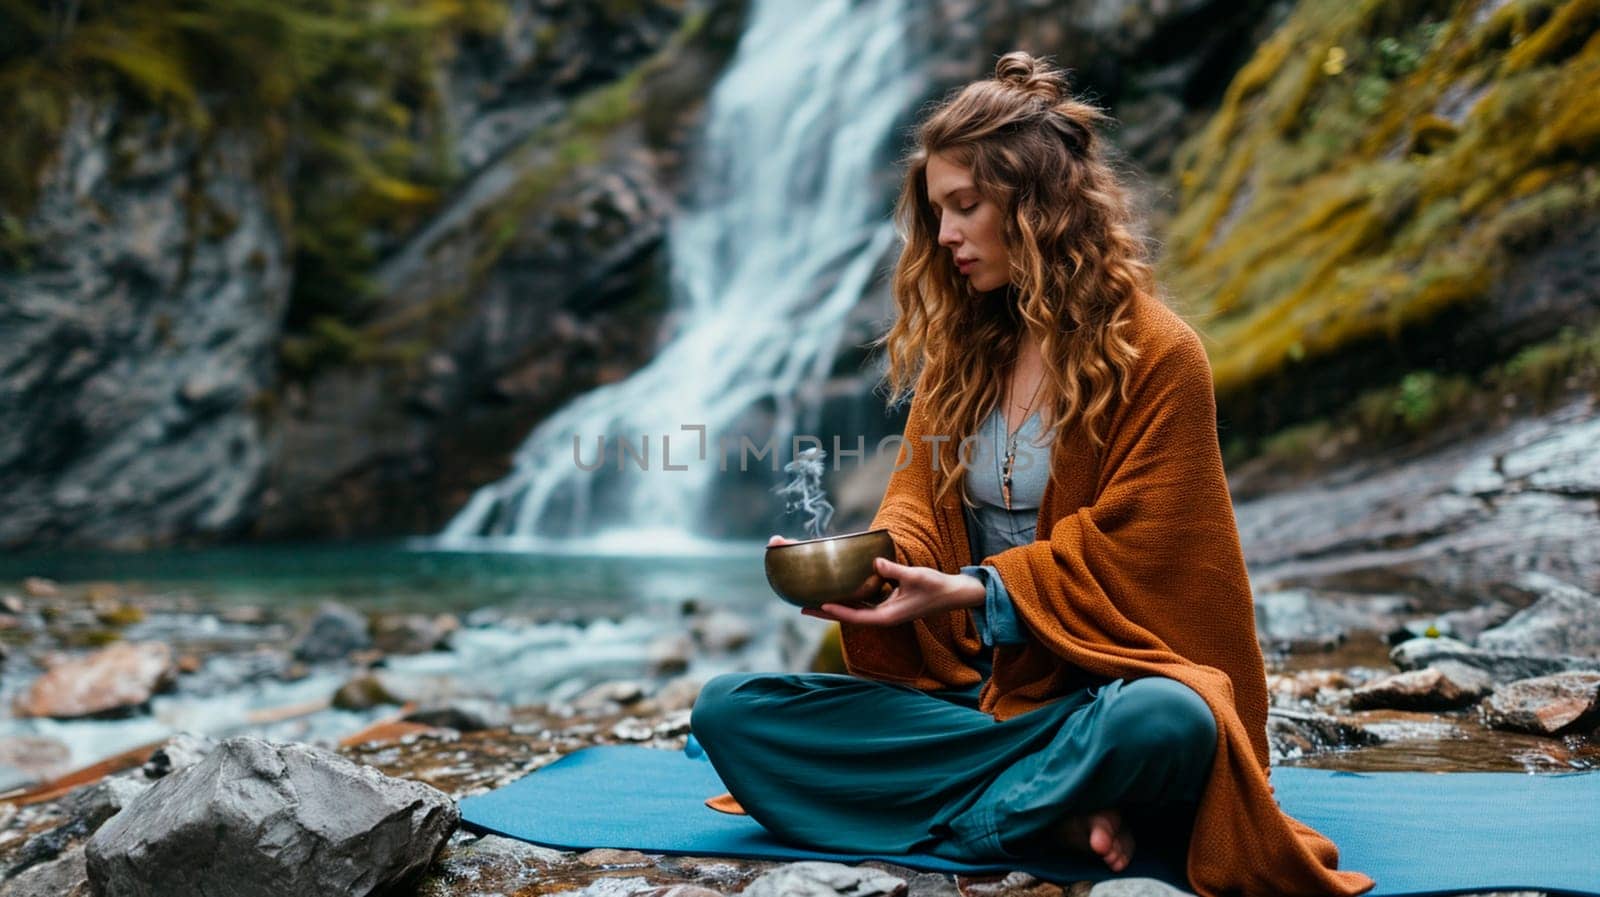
(1412, 832)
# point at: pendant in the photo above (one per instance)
(1005, 478)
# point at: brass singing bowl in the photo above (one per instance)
(830, 570)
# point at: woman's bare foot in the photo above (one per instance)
(1102, 833)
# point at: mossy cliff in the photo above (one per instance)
(1360, 214)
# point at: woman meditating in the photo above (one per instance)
(1068, 658)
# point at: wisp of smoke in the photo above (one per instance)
(804, 490)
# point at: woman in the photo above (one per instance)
(1068, 654)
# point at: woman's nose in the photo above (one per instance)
(948, 236)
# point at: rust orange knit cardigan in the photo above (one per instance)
(1136, 571)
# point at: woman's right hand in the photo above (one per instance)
(779, 540)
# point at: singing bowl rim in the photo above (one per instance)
(838, 538)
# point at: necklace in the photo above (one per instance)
(1011, 443)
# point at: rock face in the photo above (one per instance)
(123, 675)
(540, 279)
(1450, 526)
(257, 819)
(136, 336)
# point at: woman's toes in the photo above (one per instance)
(1109, 838)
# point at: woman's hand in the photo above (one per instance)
(919, 591)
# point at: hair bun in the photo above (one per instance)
(1032, 75)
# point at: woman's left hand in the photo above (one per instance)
(919, 591)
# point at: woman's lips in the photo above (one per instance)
(966, 266)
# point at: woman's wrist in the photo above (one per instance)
(970, 591)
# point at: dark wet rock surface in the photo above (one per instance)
(256, 818)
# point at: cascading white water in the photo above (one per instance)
(785, 225)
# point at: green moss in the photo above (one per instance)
(1422, 402)
(351, 84)
(1376, 164)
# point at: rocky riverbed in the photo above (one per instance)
(1358, 682)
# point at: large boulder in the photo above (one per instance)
(261, 819)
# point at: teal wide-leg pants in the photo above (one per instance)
(837, 762)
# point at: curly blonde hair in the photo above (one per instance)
(1076, 264)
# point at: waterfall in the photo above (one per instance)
(784, 226)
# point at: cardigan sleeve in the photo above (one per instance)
(1154, 563)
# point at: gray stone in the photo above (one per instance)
(463, 715)
(91, 805)
(721, 631)
(64, 876)
(1565, 620)
(333, 633)
(1136, 887)
(1501, 667)
(814, 878)
(260, 819)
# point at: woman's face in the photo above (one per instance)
(969, 224)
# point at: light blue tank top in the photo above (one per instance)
(991, 527)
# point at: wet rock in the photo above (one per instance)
(333, 633)
(813, 878)
(1564, 621)
(1546, 705)
(491, 864)
(609, 886)
(223, 673)
(1502, 667)
(255, 819)
(91, 805)
(1466, 624)
(1013, 884)
(40, 587)
(682, 890)
(652, 727)
(669, 654)
(1294, 733)
(1447, 685)
(721, 631)
(27, 759)
(1307, 620)
(363, 693)
(463, 715)
(413, 633)
(612, 858)
(1307, 685)
(1444, 525)
(919, 883)
(609, 696)
(64, 876)
(121, 676)
(679, 693)
(86, 809)
(181, 751)
(1136, 887)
